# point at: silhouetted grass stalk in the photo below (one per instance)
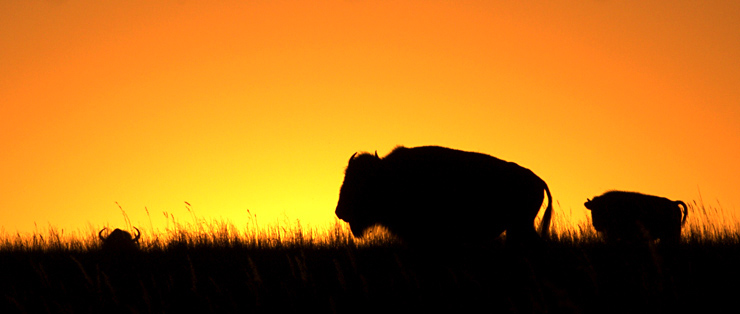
(708, 223)
(705, 224)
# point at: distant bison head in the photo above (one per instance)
(119, 240)
(636, 217)
(435, 194)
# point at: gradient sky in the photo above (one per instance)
(257, 105)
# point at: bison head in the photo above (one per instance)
(119, 240)
(602, 217)
(591, 204)
(360, 192)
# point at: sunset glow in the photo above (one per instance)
(257, 105)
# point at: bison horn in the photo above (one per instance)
(100, 234)
(138, 234)
(376, 154)
(353, 157)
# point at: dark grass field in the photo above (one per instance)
(201, 271)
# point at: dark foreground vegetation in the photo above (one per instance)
(207, 272)
(571, 277)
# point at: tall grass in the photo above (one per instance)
(566, 226)
(213, 266)
(51, 239)
(708, 223)
(705, 224)
(200, 232)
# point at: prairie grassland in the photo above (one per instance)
(705, 224)
(213, 266)
(199, 234)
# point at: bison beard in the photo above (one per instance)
(434, 194)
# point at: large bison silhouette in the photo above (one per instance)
(634, 217)
(434, 194)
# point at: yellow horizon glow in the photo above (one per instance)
(236, 106)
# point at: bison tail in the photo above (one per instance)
(545, 223)
(685, 211)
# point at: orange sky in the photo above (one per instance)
(236, 105)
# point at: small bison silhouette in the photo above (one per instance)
(436, 195)
(119, 240)
(635, 217)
